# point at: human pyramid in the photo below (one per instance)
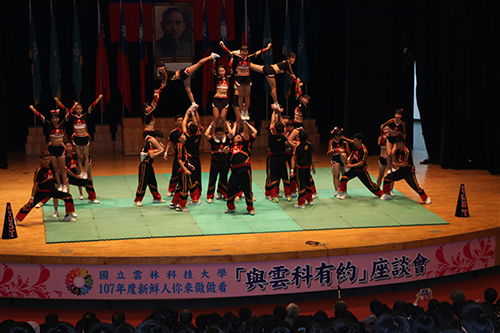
(66, 163)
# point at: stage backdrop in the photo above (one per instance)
(115, 282)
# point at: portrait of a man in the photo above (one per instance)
(175, 33)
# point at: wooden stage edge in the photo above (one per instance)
(482, 189)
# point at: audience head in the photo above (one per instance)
(244, 313)
(474, 318)
(339, 308)
(62, 327)
(389, 324)
(117, 318)
(490, 295)
(424, 324)
(292, 310)
(186, 316)
(457, 295)
(280, 312)
(151, 326)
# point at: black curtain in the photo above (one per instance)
(457, 52)
(361, 55)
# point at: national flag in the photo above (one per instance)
(102, 72)
(35, 61)
(77, 55)
(55, 68)
(143, 58)
(245, 34)
(224, 57)
(123, 67)
(302, 65)
(287, 48)
(267, 56)
(208, 80)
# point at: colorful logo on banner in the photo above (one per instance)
(79, 281)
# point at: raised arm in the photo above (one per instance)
(258, 53)
(275, 118)
(208, 132)
(94, 104)
(251, 129)
(221, 43)
(61, 105)
(38, 114)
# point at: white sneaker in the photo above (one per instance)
(81, 197)
(210, 200)
(74, 214)
(159, 201)
(389, 171)
(315, 196)
(230, 211)
(218, 196)
(343, 196)
(56, 214)
(193, 106)
(309, 203)
(336, 193)
(299, 206)
(428, 201)
(172, 206)
(69, 218)
(386, 196)
(85, 176)
(252, 212)
(138, 203)
(169, 194)
(181, 209)
(214, 56)
(65, 188)
(392, 193)
(60, 188)
(38, 205)
(95, 201)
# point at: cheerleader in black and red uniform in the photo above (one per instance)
(80, 137)
(43, 188)
(270, 71)
(338, 147)
(149, 118)
(240, 63)
(184, 74)
(220, 102)
(397, 127)
(56, 148)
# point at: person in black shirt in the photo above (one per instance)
(218, 162)
(147, 176)
(406, 171)
(241, 173)
(44, 187)
(302, 164)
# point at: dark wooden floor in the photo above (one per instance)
(483, 194)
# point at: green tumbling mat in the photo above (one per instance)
(116, 217)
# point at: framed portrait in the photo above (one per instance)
(173, 34)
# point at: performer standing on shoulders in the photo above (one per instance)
(80, 137)
(56, 148)
(220, 103)
(148, 112)
(241, 62)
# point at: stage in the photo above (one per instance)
(482, 191)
